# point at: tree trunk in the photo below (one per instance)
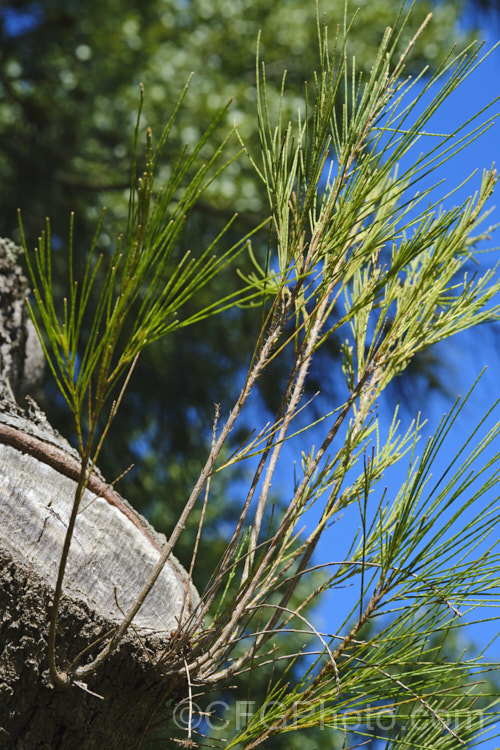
(112, 552)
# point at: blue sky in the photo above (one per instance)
(466, 356)
(468, 353)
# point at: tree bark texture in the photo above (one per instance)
(112, 553)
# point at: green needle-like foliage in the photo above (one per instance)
(354, 250)
(141, 288)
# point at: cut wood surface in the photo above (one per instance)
(112, 552)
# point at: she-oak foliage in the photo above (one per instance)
(353, 251)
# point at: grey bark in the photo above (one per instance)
(112, 552)
(21, 355)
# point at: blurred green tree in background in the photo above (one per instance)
(69, 92)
